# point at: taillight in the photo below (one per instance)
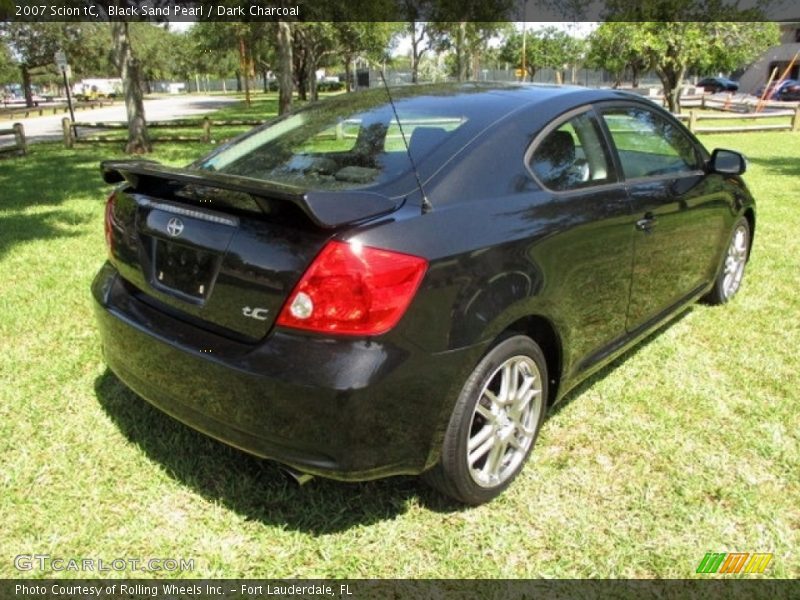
(109, 216)
(354, 290)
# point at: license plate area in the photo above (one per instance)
(184, 271)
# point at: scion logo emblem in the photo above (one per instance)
(175, 227)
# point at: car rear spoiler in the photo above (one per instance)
(326, 209)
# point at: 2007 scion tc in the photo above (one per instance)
(362, 289)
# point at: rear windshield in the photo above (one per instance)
(340, 144)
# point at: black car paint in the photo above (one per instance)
(504, 255)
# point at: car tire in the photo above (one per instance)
(494, 423)
(731, 273)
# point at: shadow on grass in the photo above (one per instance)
(605, 371)
(49, 176)
(21, 228)
(786, 166)
(254, 488)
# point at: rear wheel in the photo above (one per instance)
(494, 424)
(729, 279)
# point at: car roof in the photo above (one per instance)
(491, 100)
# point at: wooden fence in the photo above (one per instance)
(25, 112)
(73, 135)
(20, 145)
(792, 124)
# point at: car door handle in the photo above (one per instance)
(646, 223)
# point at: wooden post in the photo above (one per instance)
(796, 119)
(692, 121)
(19, 135)
(206, 129)
(66, 125)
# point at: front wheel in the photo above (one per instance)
(494, 424)
(729, 279)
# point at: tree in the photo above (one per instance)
(735, 45)
(675, 48)
(617, 46)
(138, 138)
(158, 50)
(371, 41)
(212, 50)
(35, 45)
(421, 42)
(678, 36)
(8, 68)
(285, 78)
(313, 43)
(546, 47)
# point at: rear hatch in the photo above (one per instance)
(221, 251)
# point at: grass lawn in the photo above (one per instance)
(688, 444)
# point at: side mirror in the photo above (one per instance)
(727, 162)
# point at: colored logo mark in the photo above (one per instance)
(734, 562)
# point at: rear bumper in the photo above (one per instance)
(342, 408)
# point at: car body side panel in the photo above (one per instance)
(678, 256)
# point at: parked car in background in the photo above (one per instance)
(789, 92)
(775, 90)
(718, 84)
(309, 294)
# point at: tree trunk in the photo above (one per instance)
(348, 73)
(302, 86)
(312, 77)
(671, 81)
(26, 85)
(138, 138)
(414, 52)
(461, 63)
(265, 80)
(285, 79)
(238, 81)
(245, 70)
(635, 75)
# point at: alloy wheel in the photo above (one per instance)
(504, 421)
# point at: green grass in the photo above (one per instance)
(690, 443)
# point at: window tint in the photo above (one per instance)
(648, 144)
(571, 156)
(333, 149)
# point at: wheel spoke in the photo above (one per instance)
(485, 412)
(491, 396)
(517, 444)
(505, 384)
(479, 438)
(527, 384)
(494, 461)
(481, 450)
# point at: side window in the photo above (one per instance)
(649, 145)
(571, 156)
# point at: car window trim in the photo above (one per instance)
(699, 149)
(614, 179)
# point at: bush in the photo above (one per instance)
(330, 86)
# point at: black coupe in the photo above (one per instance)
(373, 286)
